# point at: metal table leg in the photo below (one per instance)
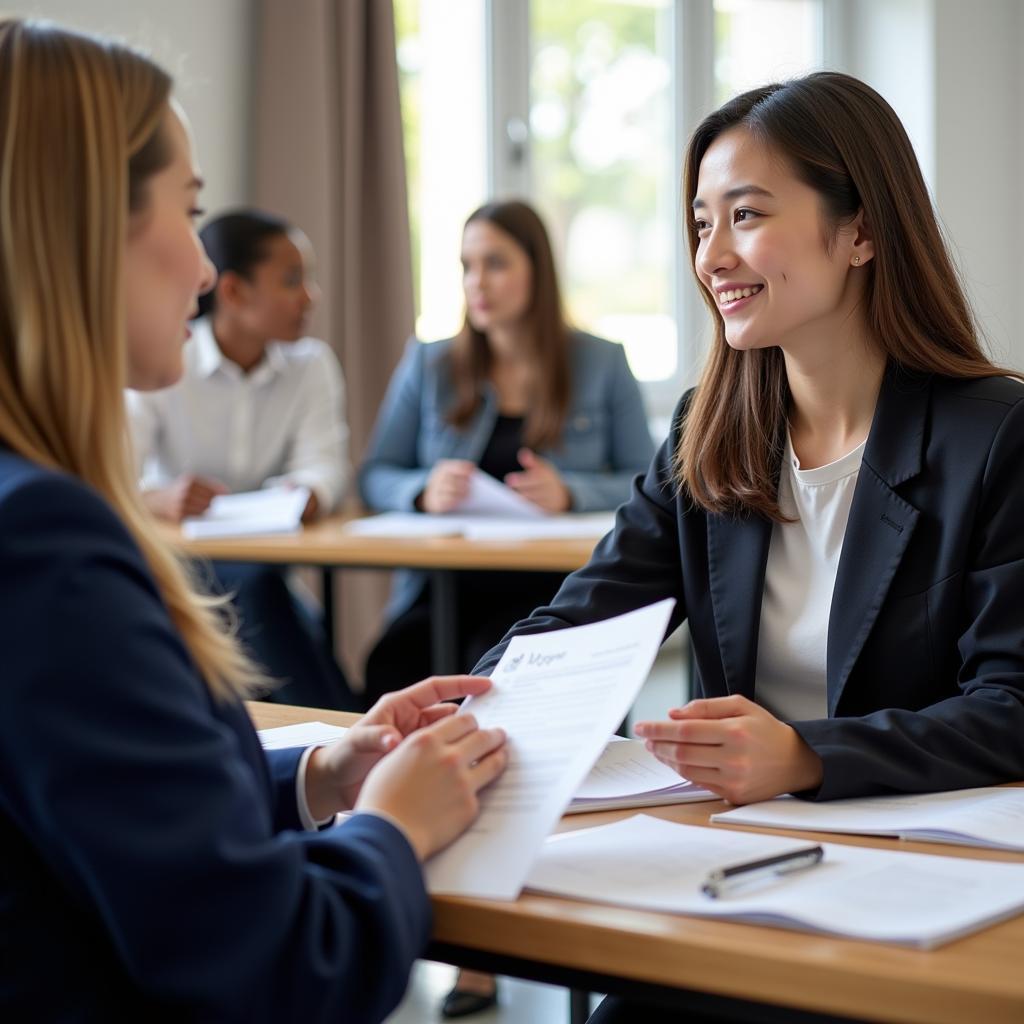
(444, 624)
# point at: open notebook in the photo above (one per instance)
(910, 899)
(625, 775)
(992, 816)
(250, 513)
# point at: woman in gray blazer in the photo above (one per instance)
(552, 412)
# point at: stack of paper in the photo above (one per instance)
(273, 511)
(626, 775)
(910, 899)
(304, 734)
(992, 817)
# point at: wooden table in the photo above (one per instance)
(328, 546)
(702, 964)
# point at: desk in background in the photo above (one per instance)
(327, 546)
(699, 964)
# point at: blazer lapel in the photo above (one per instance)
(881, 523)
(737, 556)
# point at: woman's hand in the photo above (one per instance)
(429, 785)
(335, 773)
(540, 482)
(733, 747)
(189, 495)
(447, 486)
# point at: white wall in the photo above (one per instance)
(979, 170)
(951, 71)
(207, 46)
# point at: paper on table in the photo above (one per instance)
(275, 510)
(559, 696)
(304, 734)
(480, 527)
(490, 497)
(560, 527)
(627, 775)
(912, 899)
(406, 524)
(989, 816)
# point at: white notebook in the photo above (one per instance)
(626, 775)
(991, 817)
(911, 899)
(273, 511)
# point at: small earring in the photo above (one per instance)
(856, 261)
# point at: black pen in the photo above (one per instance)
(782, 864)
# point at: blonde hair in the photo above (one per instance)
(80, 136)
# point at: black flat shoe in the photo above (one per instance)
(460, 1003)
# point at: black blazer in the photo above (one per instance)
(925, 662)
(152, 863)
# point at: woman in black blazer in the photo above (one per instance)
(882, 603)
(154, 863)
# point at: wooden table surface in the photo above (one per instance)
(979, 979)
(328, 543)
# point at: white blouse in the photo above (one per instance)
(801, 574)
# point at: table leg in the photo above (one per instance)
(444, 624)
(327, 600)
(579, 1006)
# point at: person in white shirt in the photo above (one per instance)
(259, 405)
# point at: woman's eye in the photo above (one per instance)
(196, 212)
(701, 225)
(744, 214)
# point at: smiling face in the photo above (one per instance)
(764, 252)
(497, 277)
(166, 268)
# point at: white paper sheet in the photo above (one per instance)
(990, 816)
(406, 524)
(888, 896)
(275, 510)
(559, 696)
(490, 497)
(626, 775)
(304, 734)
(490, 528)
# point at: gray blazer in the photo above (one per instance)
(604, 445)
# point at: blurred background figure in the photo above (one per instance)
(260, 404)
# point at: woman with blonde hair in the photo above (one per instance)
(156, 863)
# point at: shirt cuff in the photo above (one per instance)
(308, 823)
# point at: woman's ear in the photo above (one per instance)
(862, 246)
(231, 290)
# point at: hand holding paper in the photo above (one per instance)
(559, 696)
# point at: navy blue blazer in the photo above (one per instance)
(153, 863)
(925, 652)
(604, 444)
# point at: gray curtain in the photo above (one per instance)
(327, 155)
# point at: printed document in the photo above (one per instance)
(912, 899)
(275, 510)
(559, 696)
(991, 816)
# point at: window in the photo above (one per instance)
(443, 86)
(583, 107)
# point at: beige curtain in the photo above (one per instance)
(327, 155)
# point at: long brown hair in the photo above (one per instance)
(547, 333)
(843, 140)
(80, 137)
